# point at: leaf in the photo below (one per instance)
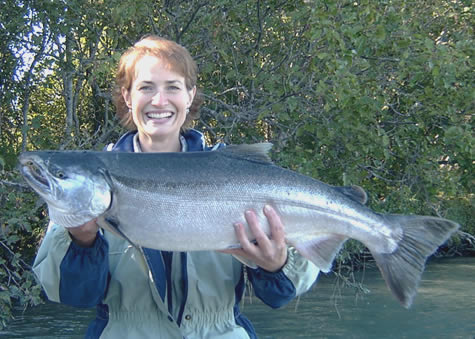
(5, 297)
(380, 33)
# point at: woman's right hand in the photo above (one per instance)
(86, 234)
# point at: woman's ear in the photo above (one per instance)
(191, 96)
(126, 96)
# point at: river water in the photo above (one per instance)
(443, 308)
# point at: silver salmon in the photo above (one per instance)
(190, 202)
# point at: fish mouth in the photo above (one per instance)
(36, 175)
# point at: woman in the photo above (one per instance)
(145, 293)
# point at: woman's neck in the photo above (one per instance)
(147, 144)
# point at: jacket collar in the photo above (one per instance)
(195, 141)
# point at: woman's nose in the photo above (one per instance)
(159, 99)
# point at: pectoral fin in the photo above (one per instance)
(320, 250)
(112, 226)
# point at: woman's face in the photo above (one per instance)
(159, 100)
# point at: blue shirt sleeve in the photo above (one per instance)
(273, 288)
(85, 274)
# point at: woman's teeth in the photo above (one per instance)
(159, 115)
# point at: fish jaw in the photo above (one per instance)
(73, 195)
(36, 175)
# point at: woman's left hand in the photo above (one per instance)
(270, 251)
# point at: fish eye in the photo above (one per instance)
(60, 175)
(29, 163)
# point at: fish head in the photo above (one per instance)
(75, 190)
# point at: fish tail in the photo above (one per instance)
(402, 269)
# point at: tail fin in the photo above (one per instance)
(402, 269)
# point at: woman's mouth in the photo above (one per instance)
(161, 115)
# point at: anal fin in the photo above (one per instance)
(321, 250)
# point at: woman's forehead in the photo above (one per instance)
(149, 67)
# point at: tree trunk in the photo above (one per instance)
(68, 90)
(27, 90)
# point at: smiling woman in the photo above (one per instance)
(145, 292)
(173, 57)
(159, 102)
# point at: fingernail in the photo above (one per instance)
(267, 208)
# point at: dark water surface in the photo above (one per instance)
(444, 308)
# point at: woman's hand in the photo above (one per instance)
(86, 234)
(269, 252)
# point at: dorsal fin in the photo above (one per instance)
(254, 152)
(353, 192)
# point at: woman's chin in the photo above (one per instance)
(161, 128)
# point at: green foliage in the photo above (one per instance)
(21, 220)
(371, 93)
